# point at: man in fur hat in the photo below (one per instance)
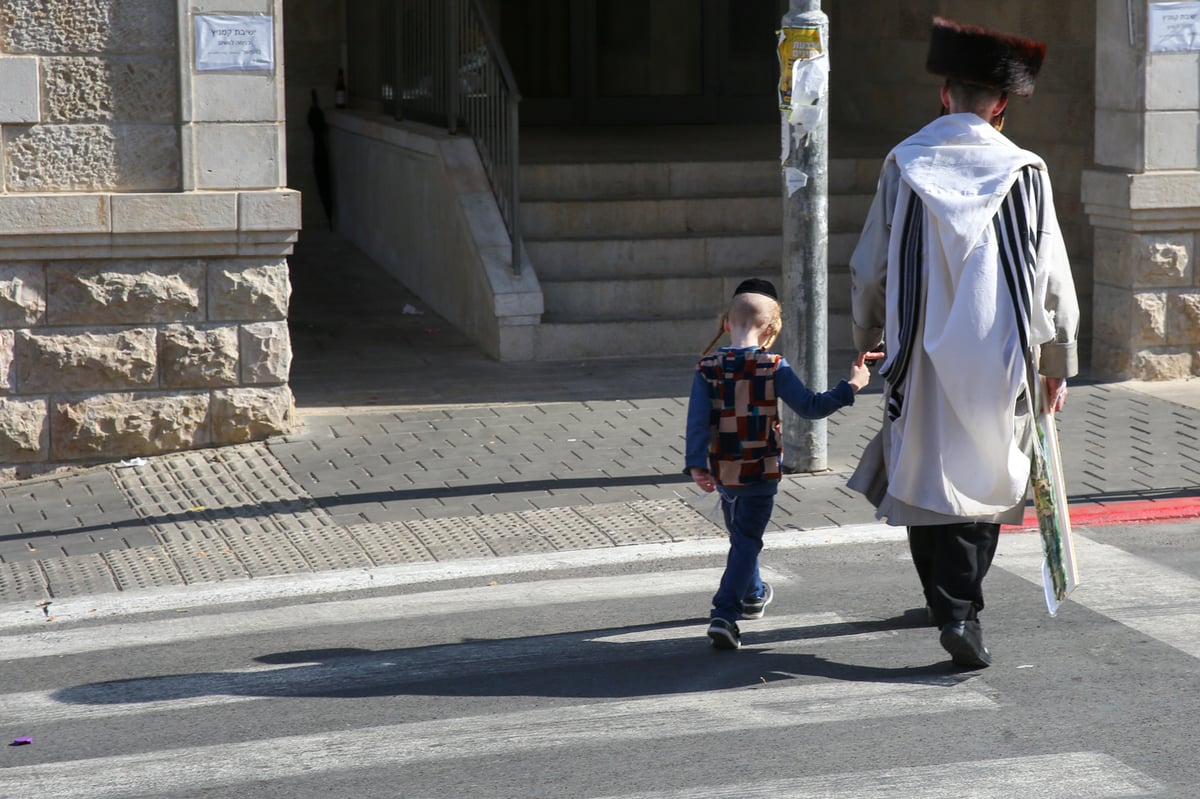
(961, 269)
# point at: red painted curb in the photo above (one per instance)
(1113, 513)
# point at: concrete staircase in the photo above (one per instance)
(640, 258)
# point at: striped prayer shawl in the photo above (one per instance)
(1017, 224)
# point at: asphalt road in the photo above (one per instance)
(589, 675)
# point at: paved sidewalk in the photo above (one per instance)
(416, 448)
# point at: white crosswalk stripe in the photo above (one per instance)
(1131, 590)
(397, 745)
(1063, 776)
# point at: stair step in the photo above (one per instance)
(659, 179)
(673, 179)
(662, 256)
(670, 256)
(642, 297)
(582, 218)
(545, 219)
(554, 341)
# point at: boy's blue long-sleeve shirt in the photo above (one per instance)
(788, 388)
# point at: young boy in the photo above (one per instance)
(734, 443)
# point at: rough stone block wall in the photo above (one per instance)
(141, 356)
(109, 92)
(144, 229)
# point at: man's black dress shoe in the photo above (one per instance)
(964, 641)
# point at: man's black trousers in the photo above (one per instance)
(952, 560)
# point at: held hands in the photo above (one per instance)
(860, 374)
(703, 479)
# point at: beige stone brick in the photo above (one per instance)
(1113, 316)
(266, 353)
(8, 339)
(22, 294)
(249, 291)
(88, 26)
(1171, 139)
(1154, 365)
(89, 157)
(1173, 82)
(1183, 319)
(24, 429)
(189, 211)
(251, 414)
(121, 425)
(20, 95)
(1149, 319)
(47, 215)
(86, 360)
(199, 357)
(238, 156)
(1119, 140)
(1110, 362)
(124, 292)
(269, 210)
(106, 89)
(221, 97)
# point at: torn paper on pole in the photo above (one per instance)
(810, 83)
(794, 179)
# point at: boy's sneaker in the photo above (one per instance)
(724, 634)
(754, 608)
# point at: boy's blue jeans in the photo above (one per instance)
(746, 520)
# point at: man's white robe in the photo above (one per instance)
(956, 451)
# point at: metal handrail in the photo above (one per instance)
(450, 65)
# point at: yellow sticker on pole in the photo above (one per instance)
(795, 44)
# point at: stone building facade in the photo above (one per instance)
(144, 229)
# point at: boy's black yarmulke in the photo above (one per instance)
(757, 286)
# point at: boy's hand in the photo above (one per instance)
(703, 479)
(860, 375)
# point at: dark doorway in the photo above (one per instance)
(643, 61)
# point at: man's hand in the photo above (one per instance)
(860, 374)
(1056, 393)
(703, 479)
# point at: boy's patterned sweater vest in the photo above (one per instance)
(745, 446)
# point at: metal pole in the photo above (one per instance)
(804, 341)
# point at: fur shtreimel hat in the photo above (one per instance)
(985, 58)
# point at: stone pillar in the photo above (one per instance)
(144, 230)
(1143, 200)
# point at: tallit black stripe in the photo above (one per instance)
(1018, 234)
(912, 252)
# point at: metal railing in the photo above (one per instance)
(450, 66)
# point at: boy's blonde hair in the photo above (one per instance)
(756, 311)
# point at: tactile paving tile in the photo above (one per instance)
(500, 525)
(520, 545)
(87, 574)
(566, 529)
(143, 567)
(241, 488)
(677, 518)
(267, 552)
(329, 548)
(450, 538)
(204, 559)
(622, 524)
(22, 580)
(390, 542)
